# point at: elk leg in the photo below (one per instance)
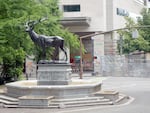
(44, 53)
(55, 55)
(61, 47)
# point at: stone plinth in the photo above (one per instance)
(29, 100)
(54, 74)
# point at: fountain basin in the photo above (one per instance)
(73, 90)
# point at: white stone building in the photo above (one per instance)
(84, 17)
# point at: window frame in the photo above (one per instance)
(72, 8)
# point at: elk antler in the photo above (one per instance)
(29, 22)
(40, 20)
(35, 22)
(43, 19)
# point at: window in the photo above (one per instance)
(122, 12)
(71, 8)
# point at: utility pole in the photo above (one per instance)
(121, 44)
(81, 63)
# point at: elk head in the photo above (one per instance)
(30, 24)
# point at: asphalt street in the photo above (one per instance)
(138, 88)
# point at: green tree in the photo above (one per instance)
(15, 43)
(12, 63)
(145, 20)
(130, 44)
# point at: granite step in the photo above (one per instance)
(40, 107)
(8, 98)
(10, 106)
(90, 104)
(77, 102)
(6, 101)
(81, 102)
(122, 99)
(77, 99)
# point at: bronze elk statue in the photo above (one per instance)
(45, 41)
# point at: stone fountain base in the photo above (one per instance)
(54, 81)
(74, 89)
(30, 93)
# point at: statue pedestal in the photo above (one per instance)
(54, 74)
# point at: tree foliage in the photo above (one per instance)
(130, 44)
(13, 63)
(145, 32)
(15, 42)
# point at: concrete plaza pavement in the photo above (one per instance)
(138, 88)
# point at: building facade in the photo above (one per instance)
(84, 17)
